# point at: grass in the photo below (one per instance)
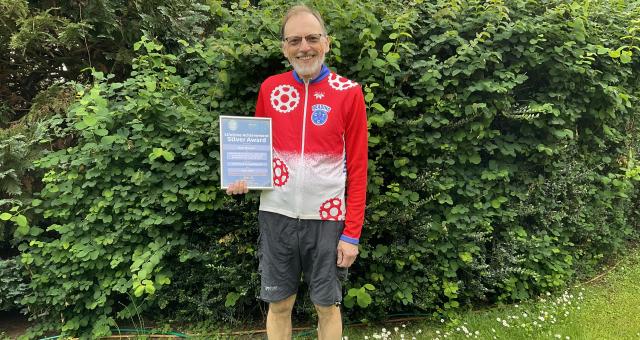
(607, 307)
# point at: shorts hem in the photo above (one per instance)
(277, 298)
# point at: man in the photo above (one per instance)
(320, 151)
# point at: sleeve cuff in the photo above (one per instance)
(349, 239)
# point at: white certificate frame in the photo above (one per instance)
(246, 151)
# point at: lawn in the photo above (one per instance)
(605, 307)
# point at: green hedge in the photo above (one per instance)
(503, 140)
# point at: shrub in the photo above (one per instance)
(502, 162)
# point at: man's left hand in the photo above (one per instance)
(347, 254)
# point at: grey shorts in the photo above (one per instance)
(289, 248)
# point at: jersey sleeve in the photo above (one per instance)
(356, 147)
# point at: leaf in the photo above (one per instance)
(139, 291)
(231, 299)
(363, 298)
(150, 288)
(90, 120)
(21, 221)
(377, 106)
(369, 286)
(168, 156)
(5, 216)
(465, 257)
(625, 57)
(150, 85)
(475, 159)
(387, 47)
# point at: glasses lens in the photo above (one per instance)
(311, 39)
(293, 41)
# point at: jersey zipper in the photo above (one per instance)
(302, 167)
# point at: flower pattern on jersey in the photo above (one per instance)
(280, 172)
(285, 98)
(331, 209)
(340, 83)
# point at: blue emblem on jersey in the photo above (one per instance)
(320, 114)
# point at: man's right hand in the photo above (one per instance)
(237, 188)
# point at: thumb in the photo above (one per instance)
(340, 256)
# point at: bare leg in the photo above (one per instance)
(329, 323)
(279, 319)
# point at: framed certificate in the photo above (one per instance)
(245, 151)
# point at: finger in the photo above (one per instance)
(244, 187)
(340, 258)
(230, 189)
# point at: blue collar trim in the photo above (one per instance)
(324, 72)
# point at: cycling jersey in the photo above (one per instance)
(319, 149)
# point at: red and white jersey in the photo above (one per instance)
(320, 149)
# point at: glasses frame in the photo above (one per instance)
(306, 38)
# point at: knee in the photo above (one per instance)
(327, 312)
(283, 307)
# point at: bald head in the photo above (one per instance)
(301, 9)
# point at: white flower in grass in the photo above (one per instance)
(395, 329)
(458, 329)
(558, 336)
(477, 333)
(567, 337)
(404, 326)
(377, 336)
(420, 331)
(437, 332)
(442, 320)
(366, 337)
(493, 330)
(517, 306)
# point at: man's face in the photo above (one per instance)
(305, 44)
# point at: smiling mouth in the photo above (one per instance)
(306, 57)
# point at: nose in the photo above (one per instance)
(304, 45)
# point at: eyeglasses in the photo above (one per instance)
(311, 39)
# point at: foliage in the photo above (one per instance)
(43, 43)
(503, 145)
(12, 283)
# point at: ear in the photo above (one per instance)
(284, 49)
(328, 45)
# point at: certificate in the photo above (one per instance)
(245, 151)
